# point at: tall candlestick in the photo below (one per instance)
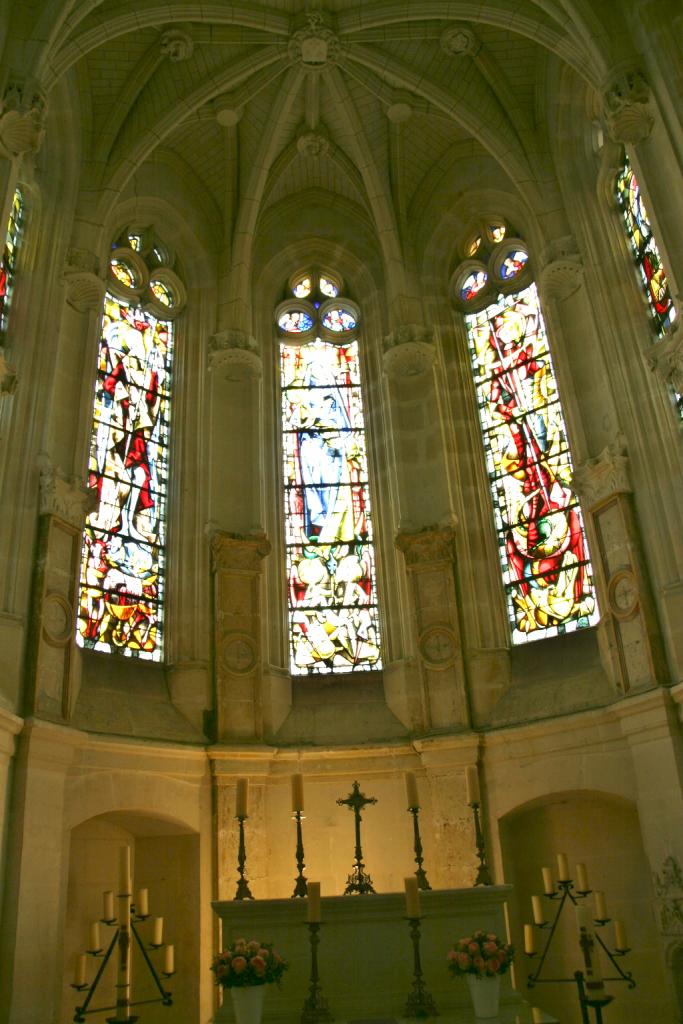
(600, 906)
(412, 794)
(80, 972)
(158, 931)
(582, 878)
(529, 939)
(94, 941)
(472, 782)
(242, 798)
(169, 959)
(562, 867)
(548, 883)
(142, 903)
(412, 897)
(314, 911)
(537, 907)
(620, 940)
(124, 870)
(108, 905)
(297, 792)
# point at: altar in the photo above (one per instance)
(365, 954)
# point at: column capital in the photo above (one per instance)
(233, 551)
(84, 288)
(666, 357)
(431, 545)
(22, 116)
(562, 268)
(8, 376)
(409, 351)
(626, 105)
(63, 496)
(234, 354)
(601, 478)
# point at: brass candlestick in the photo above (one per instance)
(301, 885)
(420, 874)
(243, 891)
(359, 881)
(316, 1009)
(483, 873)
(420, 1002)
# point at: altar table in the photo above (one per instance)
(365, 955)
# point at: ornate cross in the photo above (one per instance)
(358, 881)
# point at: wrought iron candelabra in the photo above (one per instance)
(420, 1002)
(316, 1009)
(243, 891)
(588, 981)
(483, 873)
(358, 882)
(420, 874)
(300, 885)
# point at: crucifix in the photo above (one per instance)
(590, 984)
(359, 881)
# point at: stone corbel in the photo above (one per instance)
(409, 351)
(666, 358)
(84, 288)
(626, 106)
(562, 270)
(234, 355)
(22, 117)
(601, 478)
(64, 497)
(8, 376)
(234, 551)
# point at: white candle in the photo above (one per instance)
(582, 878)
(142, 903)
(600, 906)
(412, 897)
(242, 798)
(124, 870)
(537, 907)
(169, 960)
(529, 939)
(94, 943)
(562, 867)
(108, 905)
(314, 902)
(620, 940)
(548, 883)
(472, 781)
(297, 792)
(79, 974)
(158, 931)
(411, 790)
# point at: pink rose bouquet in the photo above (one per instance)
(482, 954)
(248, 963)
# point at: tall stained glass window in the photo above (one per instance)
(123, 559)
(332, 594)
(541, 538)
(9, 258)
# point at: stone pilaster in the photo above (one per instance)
(440, 686)
(237, 569)
(631, 641)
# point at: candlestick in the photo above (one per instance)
(142, 903)
(472, 783)
(108, 905)
(600, 906)
(548, 883)
(316, 1009)
(358, 882)
(80, 972)
(243, 892)
(412, 897)
(242, 798)
(537, 907)
(94, 939)
(313, 909)
(529, 940)
(158, 931)
(124, 871)
(483, 873)
(562, 867)
(582, 878)
(169, 960)
(420, 1002)
(300, 883)
(620, 940)
(298, 793)
(412, 794)
(420, 874)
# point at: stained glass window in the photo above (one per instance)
(473, 284)
(295, 321)
(122, 563)
(332, 595)
(645, 250)
(513, 264)
(9, 258)
(339, 320)
(541, 538)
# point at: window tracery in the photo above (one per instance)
(9, 257)
(541, 538)
(331, 583)
(123, 555)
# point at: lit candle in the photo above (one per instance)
(158, 931)
(142, 903)
(548, 883)
(472, 781)
(314, 902)
(562, 867)
(79, 975)
(600, 906)
(169, 960)
(529, 939)
(242, 798)
(412, 897)
(537, 907)
(124, 870)
(297, 793)
(94, 937)
(620, 940)
(411, 790)
(108, 905)
(582, 878)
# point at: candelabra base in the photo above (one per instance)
(422, 882)
(420, 1003)
(243, 891)
(359, 883)
(316, 1011)
(300, 888)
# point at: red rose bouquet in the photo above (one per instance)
(482, 954)
(248, 963)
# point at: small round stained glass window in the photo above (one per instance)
(474, 246)
(328, 287)
(124, 273)
(473, 284)
(302, 288)
(162, 293)
(135, 242)
(338, 320)
(513, 263)
(497, 232)
(295, 321)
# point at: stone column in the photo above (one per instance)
(435, 696)
(631, 642)
(10, 725)
(53, 668)
(237, 568)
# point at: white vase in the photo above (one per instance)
(247, 1003)
(485, 994)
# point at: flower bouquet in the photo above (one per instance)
(246, 968)
(482, 957)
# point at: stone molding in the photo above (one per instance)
(235, 354)
(176, 45)
(316, 45)
(665, 358)
(431, 545)
(409, 351)
(626, 106)
(233, 551)
(459, 41)
(562, 271)
(64, 497)
(8, 375)
(22, 117)
(604, 476)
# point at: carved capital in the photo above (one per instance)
(562, 269)
(316, 45)
(604, 476)
(312, 144)
(176, 45)
(428, 546)
(626, 106)
(8, 376)
(666, 359)
(64, 497)
(235, 552)
(84, 289)
(22, 117)
(234, 354)
(460, 41)
(409, 351)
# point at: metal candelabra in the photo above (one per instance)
(420, 1002)
(243, 890)
(301, 885)
(316, 1009)
(420, 874)
(590, 988)
(121, 941)
(483, 873)
(358, 882)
